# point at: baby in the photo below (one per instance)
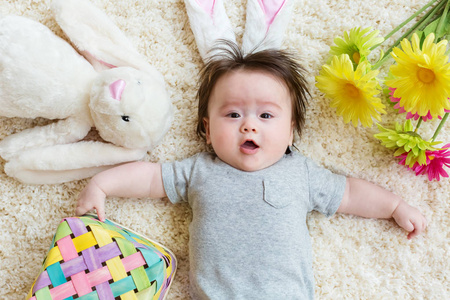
(251, 196)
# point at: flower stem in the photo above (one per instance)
(409, 19)
(423, 21)
(418, 124)
(434, 11)
(439, 127)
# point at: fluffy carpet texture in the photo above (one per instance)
(354, 258)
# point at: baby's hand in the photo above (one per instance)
(91, 197)
(410, 219)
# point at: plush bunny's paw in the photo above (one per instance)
(65, 131)
(62, 163)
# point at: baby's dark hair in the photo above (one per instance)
(279, 63)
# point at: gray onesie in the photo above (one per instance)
(248, 236)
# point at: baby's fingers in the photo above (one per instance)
(414, 233)
(419, 227)
(91, 197)
(82, 209)
(79, 211)
(101, 213)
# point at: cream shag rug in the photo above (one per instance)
(354, 258)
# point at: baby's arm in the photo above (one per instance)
(368, 200)
(134, 180)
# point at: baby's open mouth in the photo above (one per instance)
(249, 145)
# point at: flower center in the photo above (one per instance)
(431, 157)
(351, 90)
(356, 57)
(425, 75)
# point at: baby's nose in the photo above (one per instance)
(248, 126)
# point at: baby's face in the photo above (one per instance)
(249, 121)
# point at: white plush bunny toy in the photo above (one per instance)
(111, 87)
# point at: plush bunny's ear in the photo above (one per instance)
(96, 37)
(209, 23)
(68, 162)
(266, 23)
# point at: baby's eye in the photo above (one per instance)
(234, 115)
(126, 118)
(266, 116)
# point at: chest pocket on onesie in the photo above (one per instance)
(273, 196)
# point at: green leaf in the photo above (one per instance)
(421, 36)
(431, 28)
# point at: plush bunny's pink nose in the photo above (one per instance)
(116, 89)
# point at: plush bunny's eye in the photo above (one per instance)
(126, 118)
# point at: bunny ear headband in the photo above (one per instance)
(111, 87)
(266, 23)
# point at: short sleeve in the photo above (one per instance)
(326, 189)
(176, 177)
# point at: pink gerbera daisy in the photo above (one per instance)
(434, 167)
(409, 115)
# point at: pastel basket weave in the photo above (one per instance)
(90, 259)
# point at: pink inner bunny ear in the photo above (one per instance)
(116, 89)
(94, 60)
(271, 8)
(207, 5)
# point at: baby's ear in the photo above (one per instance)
(207, 134)
(291, 137)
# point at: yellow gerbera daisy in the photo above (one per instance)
(421, 76)
(356, 44)
(351, 92)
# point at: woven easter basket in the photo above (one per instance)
(89, 259)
